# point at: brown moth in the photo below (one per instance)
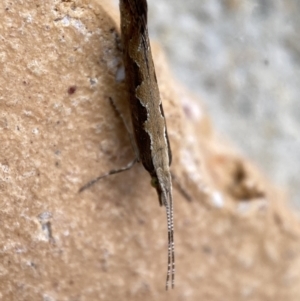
(149, 124)
(148, 121)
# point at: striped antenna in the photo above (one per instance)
(168, 202)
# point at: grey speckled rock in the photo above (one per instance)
(243, 58)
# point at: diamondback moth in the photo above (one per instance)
(149, 124)
(148, 121)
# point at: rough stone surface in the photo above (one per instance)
(60, 65)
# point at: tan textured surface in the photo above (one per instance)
(60, 63)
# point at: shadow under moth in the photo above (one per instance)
(152, 145)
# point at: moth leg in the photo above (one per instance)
(111, 172)
(127, 126)
(180, 188)
(130, 164)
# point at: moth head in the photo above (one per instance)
(161, 181)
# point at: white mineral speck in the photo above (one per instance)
(65, 21)
(217, 199)
(35, 131)
(120, 74)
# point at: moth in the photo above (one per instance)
(148, 120)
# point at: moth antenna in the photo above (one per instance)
(128, 129)
(111, 172)
(169, 243)
(168, 202)
(172, 240)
